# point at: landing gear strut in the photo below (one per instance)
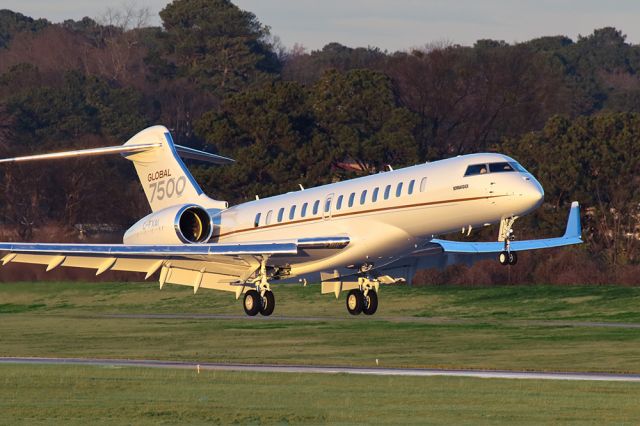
(261, 299)
(507, 257)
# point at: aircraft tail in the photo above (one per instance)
(164, 177)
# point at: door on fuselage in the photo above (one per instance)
(327, 207)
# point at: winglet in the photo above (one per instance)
(574, 229)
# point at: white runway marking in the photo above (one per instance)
(416, 372)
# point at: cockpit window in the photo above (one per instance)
(518, 167)
(476, 169)
(500, 167)
(505, 166)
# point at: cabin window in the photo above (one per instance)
(411, 184)
(387, 191)
(269, 215)
(316, 206)
(399, 189)
(303, 211)
(500, 167)
(339, 202)
(292, 212)
(363, 197)
(374, 197)
(256, 221)
(351, 198)
(476, 169)
(423, 184)
(327, 205)
(280, 214)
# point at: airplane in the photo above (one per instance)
(356, 235)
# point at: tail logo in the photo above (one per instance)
(159, 175)
(167, 188)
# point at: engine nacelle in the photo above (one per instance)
(182, 224)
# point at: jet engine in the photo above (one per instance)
(182, 224)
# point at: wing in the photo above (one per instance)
(215, 266)
(437, 253)
(571, 236)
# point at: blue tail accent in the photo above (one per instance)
(574, 229)
(186, 172)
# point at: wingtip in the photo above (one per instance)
(574, 228)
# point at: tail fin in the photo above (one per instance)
(164, 177)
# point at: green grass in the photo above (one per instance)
(537, 328)
(493, 328)
(95, 395)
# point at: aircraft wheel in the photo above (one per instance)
(370, 303)
(503, 258)
(513, 258)
(252, 303)
(268, 303)
(355, 302)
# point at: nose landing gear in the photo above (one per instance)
(507, 257)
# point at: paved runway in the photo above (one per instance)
(417, 372)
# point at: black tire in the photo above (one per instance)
(268, 303)
(503, 258)
(355, 302)
(513, 258)
(370, 303)
(252, 303)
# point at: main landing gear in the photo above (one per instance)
(255, 302)
(261, 299)
(362, 301)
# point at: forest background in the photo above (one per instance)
(568, 110)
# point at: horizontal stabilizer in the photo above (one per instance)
(571, 236)
(194, 154)
(183, 151)
(120, 149)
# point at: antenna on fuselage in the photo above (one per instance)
(301, 187)
(257, 197)
(389, 167)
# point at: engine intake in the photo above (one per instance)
(193, 225)
(182, 224)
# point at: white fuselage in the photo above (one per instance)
(386, 222)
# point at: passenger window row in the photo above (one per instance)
(339, 202)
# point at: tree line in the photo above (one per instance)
(568, 110)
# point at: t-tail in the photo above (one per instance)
(165, 179)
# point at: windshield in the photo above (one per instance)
(501, 167)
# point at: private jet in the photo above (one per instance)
(352, 236)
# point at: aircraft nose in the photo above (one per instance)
(534, 192)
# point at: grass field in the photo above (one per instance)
(79, 395)
(524, 328)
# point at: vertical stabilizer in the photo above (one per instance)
(164, 177)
